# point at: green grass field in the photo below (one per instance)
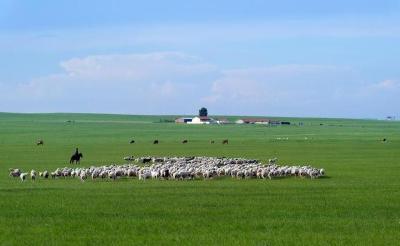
(358, 203)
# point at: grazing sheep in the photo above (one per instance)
(14, 172)
(144, 175)
(186, 168)
(33, 175)
(83, 176)
(22, 176)
(112, 175)
(273, 161)
(129, 158)
(46, 174)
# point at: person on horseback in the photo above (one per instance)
(76, 157)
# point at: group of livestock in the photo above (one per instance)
(180, 168)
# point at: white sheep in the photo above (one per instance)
(14, 172)
(22, 176)
(33, 175)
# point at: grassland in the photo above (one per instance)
(358, 203)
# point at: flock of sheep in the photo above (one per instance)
(179, 168)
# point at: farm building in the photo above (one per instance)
(222, 121)
(201, 120)
(257, 121)
(183, 120)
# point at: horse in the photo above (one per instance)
(132, 141)
(225, 141)
(40, 142)
(184, 141)
(76, 158)
(155, 141)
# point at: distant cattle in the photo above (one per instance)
(184, 141)
(384, 140)
(132, 141)
(212, 141)
(225, 141)
(40, 142)
(155, 141)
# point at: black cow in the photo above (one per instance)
(40, 142)
(132, 141)
(155, 141)
(184, 141)
(225, 141)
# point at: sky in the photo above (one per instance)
(269, 58)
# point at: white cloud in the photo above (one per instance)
(300, 90)
(176, 83)
(150, 66)
(133, 83)
(274, 83)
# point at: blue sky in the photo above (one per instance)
(283, 58)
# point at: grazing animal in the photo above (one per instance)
(146, 160)
(225, 141)
(212, 141)
(40, 142)
(46, 174)
(184, 141)
(33, 174)
(185, 168)
(132, 141)
(83, 176)
(22, 176)
(155, 141)
(384, 140)
(273, 161)
(129, 158)
(14, 172)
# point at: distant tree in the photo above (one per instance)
(203, 112)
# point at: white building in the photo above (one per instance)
(200, 120)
